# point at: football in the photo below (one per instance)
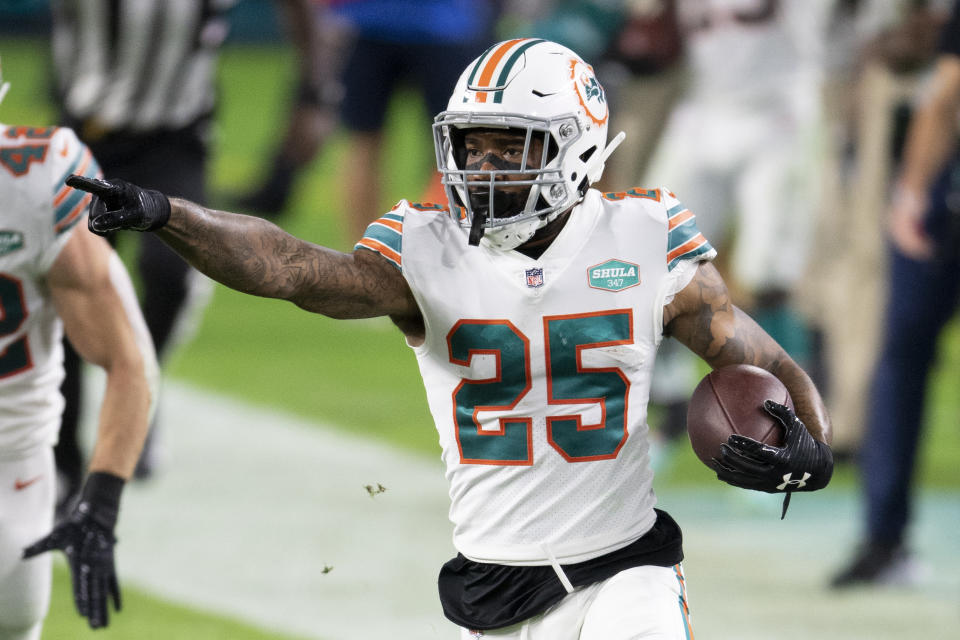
(730, 400)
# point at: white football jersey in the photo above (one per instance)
(537, 372)
(37, 215)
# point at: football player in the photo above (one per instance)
(534, 305)
(56, 277)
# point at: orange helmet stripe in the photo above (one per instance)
(487, 74)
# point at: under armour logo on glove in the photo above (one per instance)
(788, 480)
(750, 464)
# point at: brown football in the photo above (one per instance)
(730, 400)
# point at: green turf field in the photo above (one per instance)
(359, 374)
(142, 617)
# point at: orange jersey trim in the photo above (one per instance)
(680, 218)
(691, 244)
(65, 190)
(381, 248)
(393, 224)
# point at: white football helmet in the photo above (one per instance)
(541, 89)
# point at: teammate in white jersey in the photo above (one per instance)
(55, 276)
(534, 306)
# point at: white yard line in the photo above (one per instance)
(251, 506)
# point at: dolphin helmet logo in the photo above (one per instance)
(589, 91)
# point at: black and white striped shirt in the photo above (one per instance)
(137, 65)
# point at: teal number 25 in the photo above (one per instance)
(568, 381)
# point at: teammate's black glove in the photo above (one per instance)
(118, 204)
(86, 537)
(803, 463)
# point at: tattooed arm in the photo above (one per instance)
(255, 256)
(703, 318)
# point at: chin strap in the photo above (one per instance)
(476, 226)
(598, 161)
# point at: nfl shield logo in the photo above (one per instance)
(534, 278)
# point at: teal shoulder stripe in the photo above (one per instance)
(505, 73)
(68, 205)
(675, 210)
(393, 216)
(69, 225)
(680, 234)
(71, 201)
(385, 235)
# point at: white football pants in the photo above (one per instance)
(648, 603)
(27, 496)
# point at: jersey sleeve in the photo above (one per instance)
(685, 243)
(385, 236)
(67, 155)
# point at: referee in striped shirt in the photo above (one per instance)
(136, 79)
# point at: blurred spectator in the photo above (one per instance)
(381, 44)
(924, 287)
(136, 80)
(740, 145)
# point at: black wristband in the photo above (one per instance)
(101, 495)
(158, 206)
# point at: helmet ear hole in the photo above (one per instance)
(586, 155)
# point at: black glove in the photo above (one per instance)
(86, 537)
(117, 204)
(803, 463)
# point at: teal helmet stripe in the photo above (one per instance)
(512, 60)
(476, 67)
